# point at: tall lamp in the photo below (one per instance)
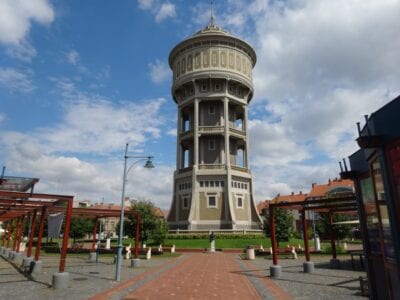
(147, 165)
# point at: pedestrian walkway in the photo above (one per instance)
(199, 276)
(188, 276)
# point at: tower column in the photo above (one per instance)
(196, 131)
(246, 148)
(178, 145)
(226, 124)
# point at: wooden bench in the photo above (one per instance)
(356, 253)
(291, 251)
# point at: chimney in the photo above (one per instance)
(292, 193)
(313, 184)
(329, 181)
(301, 193)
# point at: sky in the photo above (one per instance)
(80, 79)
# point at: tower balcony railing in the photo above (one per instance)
(184, 170)
(238, 168)
(186, 134)
(211, 166)
(211, 129)
(237, 132)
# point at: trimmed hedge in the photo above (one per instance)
(198, 236)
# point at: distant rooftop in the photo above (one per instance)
(17, 184)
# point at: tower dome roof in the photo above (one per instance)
(212, 32)
(211, 29)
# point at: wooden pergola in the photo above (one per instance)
(18, 208)
(331, 204)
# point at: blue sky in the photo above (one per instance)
(79, 79)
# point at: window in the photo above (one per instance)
(211, 183)
(212, 201)
(211, 145)
(211, 110)
(201, 183)
(206, 183)
(185, 202)
(217, 183)
(222, 183)
(239, 202)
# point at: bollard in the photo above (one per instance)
(135, 262)
(60, 280)
(275, 271)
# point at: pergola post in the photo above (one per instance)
(305, 234)
(32, 234)
(3, 238)
(66, 235)
(137, 235)
(40, 233)
(27, 261)
(308, 266)
(10, 232)
(16, 231)
(275, 269)
(94, 234)
(61, 278)
(335, 263)
(20, 232)
(332, 236)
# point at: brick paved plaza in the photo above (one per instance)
(188, 276)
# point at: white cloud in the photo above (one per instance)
(16, 17)
(167, 10)
(73, 57)
(159, 72)
(270, 144)
(172, 132)
(160, 9)
(2, 117)
(83, 154)
(16, 81)
(88, 180)
(145, 4)
(321, 66)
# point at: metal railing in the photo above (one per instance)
(211, 166)
(241, 169)
(211, 129)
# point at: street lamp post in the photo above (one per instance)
(148, 164)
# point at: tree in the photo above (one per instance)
(283, 225)
(80, 227)
(340, 231)
(151, 226)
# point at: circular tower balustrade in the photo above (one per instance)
(212, 61)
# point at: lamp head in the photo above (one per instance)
(149, 163)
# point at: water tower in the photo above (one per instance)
(212, 87)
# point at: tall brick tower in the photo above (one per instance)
(212, 86)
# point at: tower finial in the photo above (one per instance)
(212, 13)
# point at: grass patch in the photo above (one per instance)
(226, 243)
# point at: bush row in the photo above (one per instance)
(198, 236)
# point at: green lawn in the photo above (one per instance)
(228, 243)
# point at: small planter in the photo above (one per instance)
(250, 253)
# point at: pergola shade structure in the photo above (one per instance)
(331, 204)
(19, 208)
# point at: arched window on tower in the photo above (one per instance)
(240, 157)
(186, 158)
(239, 121)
